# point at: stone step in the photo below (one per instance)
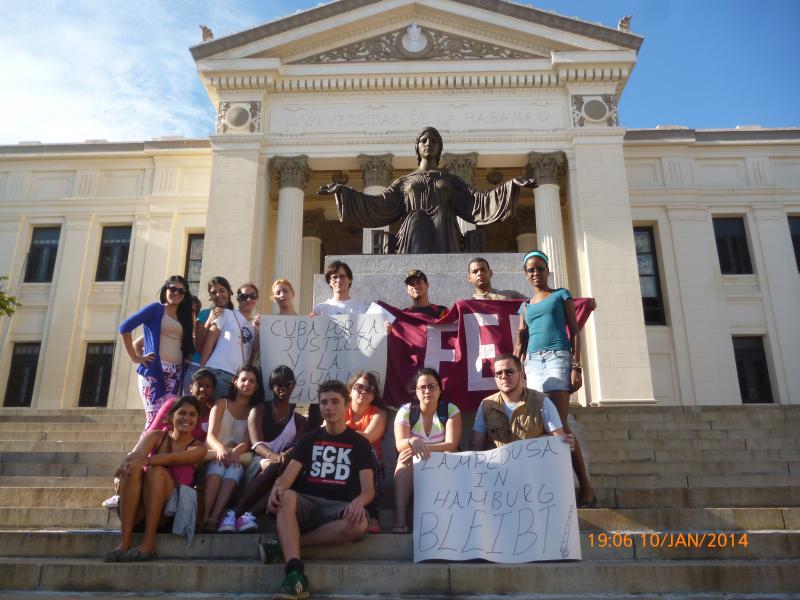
(695, 444)
(103, 469)
(605, 519)
(62, 447)
(133, 427)
(128, 437)
(77, 412)
(72, 457)
(618, 545)
(54, 482)
(690, 468)
(62, 497)
(457, 579)
(703, 434)
(689, 455)
(65, 417)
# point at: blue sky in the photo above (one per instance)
(120, 70)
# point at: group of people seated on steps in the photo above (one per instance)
(320, 473)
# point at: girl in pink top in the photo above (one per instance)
(202, 387)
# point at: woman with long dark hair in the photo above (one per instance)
(551, 359)
(429, 423)
(168, 342)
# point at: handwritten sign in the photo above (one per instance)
(321, 348)
(513, 504)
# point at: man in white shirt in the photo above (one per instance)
(339, 276)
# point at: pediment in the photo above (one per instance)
(416, 42)
(349, 31)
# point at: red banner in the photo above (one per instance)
(460, 346)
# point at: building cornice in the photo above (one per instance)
(95, 149)
(676, 135)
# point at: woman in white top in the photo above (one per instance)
(232, 340)
(426, 424)
(229, 438)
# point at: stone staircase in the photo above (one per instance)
(657, 470)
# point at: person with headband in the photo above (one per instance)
(551, 359)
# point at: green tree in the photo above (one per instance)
(8, 303)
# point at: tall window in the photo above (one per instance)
(649, 281)
(113, 261)
(22, 374)
(96, 375)
(794, 229)
(194, 261)
(734, 256)
(42, 255)
(751, 367)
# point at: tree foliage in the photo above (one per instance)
(8, 303)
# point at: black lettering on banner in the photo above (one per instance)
(478, 500)
(469, 533)
(546, 522)
(548, 449)
(425, 466)
(499, 530)
(524, 532)
(439, 499)
(480, 481)
(444, 538)
(501, 477)
(545, 496)
(455, 502)
(526, 492)
(424, 533)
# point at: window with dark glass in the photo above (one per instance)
(22, 374)
(751, 367)
(96, 374)
(42, 255)
(194, 262)
(649, 280)
(113, 261)
(794, 229)
(731, 237)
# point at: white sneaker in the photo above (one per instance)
(228, 524)
(112, 502)
(247, 522)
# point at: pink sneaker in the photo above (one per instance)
(246, 522)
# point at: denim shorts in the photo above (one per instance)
(224, 382)
(549, 370)
(234, 472)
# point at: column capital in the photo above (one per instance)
(376, 169)
(546, 167)
(462, 165)
(291, 171)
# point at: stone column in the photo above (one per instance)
(546, 168)
(462, 165)
(377, 173)
(526, 242)
(312, 248)
(292, 174)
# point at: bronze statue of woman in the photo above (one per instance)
(428, 200)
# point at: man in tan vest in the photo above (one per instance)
(515, 412)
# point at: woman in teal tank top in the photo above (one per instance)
(551, 358)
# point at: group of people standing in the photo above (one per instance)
(319, 473)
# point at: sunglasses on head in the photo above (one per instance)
(176, 290)
(250, 296)
(362, 388)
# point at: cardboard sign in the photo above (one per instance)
(321, 348)
(513, 504)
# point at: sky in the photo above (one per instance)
(75, 70)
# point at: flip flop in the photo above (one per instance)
(136, 555)
(114, 555)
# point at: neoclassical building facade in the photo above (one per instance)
(688, 239)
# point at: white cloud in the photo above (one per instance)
(110, 70)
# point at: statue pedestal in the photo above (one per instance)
(381, 277)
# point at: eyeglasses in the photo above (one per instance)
(250, 296)
(504, 373)
(285, 385)
(535, 269)
(363, 388)
(429, 387)
(337, 276)
(176, 290)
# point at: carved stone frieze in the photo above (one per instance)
(238, 117)
(598, 110)
(413, 43)
(462, 165)
(376, 169)
(546, 167)
(291, 171)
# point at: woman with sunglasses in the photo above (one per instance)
(426, 424)
(168, 332)
(232, 339)
(365, 414)
(220, 294)
(274, 428)
(551, 359)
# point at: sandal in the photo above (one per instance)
(590, 504)
(400, 529)
(136, 555)
(114, 555)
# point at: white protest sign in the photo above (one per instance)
(513, 504)
(321, 348)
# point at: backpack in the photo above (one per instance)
(414, 412)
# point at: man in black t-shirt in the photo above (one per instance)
(331, 481)
(417, 289)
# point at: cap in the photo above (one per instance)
(416, 274)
